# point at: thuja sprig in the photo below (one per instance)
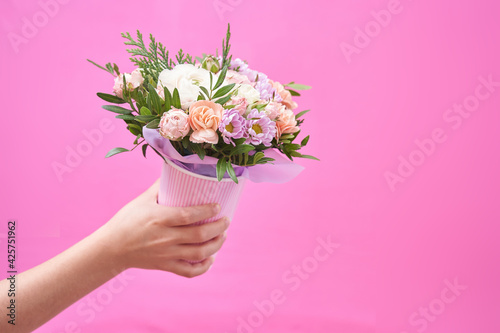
(226, 47)
(151, 60)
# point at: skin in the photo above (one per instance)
(143, 234)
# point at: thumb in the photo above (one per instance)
(152, 192)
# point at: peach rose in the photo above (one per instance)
(274, 109)
(286, 97)
(286, 123)
(204, 119)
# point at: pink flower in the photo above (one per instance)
(204, 118)
(274, 109)
(286, 97)
(286, 123)
(235, 77)
(133, 81)
(240, 104)
(174, 124)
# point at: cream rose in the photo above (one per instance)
(174, 124)
(204, 119)
(187, 79)
(286, 97)
(248, 92)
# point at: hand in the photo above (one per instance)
(144, 234)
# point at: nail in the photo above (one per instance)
(216, 208)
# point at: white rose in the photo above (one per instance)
(248, 92)
(187, 79)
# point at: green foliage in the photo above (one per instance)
(144, 106)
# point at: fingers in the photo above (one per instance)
(181, 216)
(198, 252)
(184, 268)
(200, 233)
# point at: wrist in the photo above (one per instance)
(109, 246)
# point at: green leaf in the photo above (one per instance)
(125, 117)
(221, 168)
(295, 154)
(145, 111)
(176, 100)
(115, 151)
(300, 114)
(298, 86)
(224, 90)
(198, 150)
(264, 160)
(241, 149)
(146, 119)
(134, 129)
(136, 141)
(310, 157)
(111, 98)
(153, 124)
(305, 141)
(258, 156)
(293, 92)
(231, 172)
(185, 142)
(168, 98)
(144, 148)
(221, 78)
(223, 100)
(155, 99)
(93, 63)
(205, 91)
(116, 109)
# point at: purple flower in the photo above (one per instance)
(261, 81)
(261, 129)
(232, 126)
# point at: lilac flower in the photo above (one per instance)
(261, 81)
(232, 126)
(261, 129)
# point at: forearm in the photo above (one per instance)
(46, 290)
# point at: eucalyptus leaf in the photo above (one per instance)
(221, 168)
(221, 78)
(305, 141)
(125, 117)
(168, 98)
(153, 124)
(116, 109)
(110, 98)
(145, 111)
(310, 157)
(231, 173)
(223, 100)
(300, 114)
(144, 148)
(176, 100)
(224, 90)
(298, 86)
(115, 151)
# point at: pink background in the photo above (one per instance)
(398, 246)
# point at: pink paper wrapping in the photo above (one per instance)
(181, 188)
(281, 171)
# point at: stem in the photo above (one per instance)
(138, 144)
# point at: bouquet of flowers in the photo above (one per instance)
(211, 115)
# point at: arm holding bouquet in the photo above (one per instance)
(143, 234)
